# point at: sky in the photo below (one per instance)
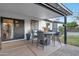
(74, 7)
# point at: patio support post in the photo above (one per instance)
(0, 33)
(65, 32)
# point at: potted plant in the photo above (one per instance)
(28, 35)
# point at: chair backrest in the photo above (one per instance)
(34, 33)
(57, 33)
(40, 35)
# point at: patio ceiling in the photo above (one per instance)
(28, 9)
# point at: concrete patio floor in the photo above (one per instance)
(26, 48)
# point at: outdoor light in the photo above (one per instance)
(64, 24)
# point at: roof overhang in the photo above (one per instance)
(21, 10)
(38, 10)
(57, 7)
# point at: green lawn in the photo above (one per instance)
(73, 40)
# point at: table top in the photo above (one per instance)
(49, 33)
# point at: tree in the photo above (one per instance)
(72, 25)
(61, 29)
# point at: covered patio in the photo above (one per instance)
(28, 12)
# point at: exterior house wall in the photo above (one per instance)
(27, 19)
(27, 26)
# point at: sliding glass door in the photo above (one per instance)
(7, 29)
(12, 29)
(18, 29)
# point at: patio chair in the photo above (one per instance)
(34, 35)
(41, 39)
(56, 37)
